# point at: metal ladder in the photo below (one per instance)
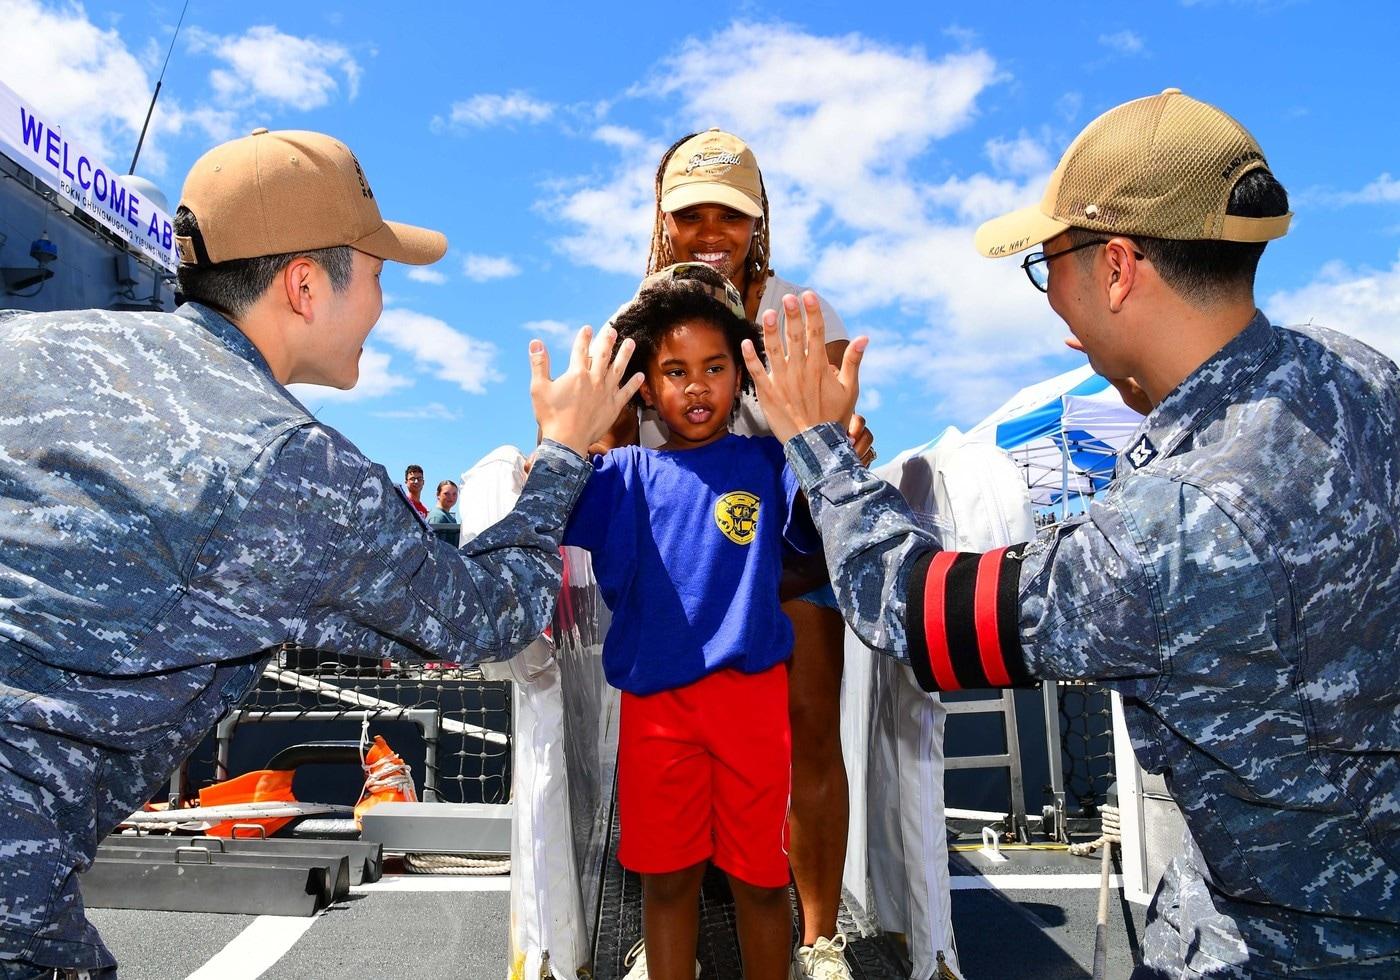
(1052, 820)
(1010, 760)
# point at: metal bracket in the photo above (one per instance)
(991, 846)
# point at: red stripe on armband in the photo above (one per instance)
(935, 626)
(985, 613)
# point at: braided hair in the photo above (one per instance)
(755, 266)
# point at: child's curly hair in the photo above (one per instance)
(686, 291)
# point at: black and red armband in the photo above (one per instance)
(962, 620)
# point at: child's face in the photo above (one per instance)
(692, 383)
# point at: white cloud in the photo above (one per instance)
(377, 379)
(1385, 189)
(620, 137)
(483, 268)
(615, 219)
(553, 329)
(843, 128)
(1362, 302)
(448, 353)
(490, 109)
(1122, 42)
(265, 64)
(432, 276)
(835, 121)
(431, 412)
(1022, 155)
(62, 63)
(981, 321)
(99, 89)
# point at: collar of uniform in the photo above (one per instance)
(1204, 389)
(226, 333)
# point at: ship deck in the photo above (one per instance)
(1035, 913)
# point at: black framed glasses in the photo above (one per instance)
(1037, 264)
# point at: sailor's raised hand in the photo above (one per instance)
(582, 404)
(799, 388)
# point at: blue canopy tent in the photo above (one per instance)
(1065, 433)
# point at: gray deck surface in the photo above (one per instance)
(371, 935)
(1020, 931)
(1045, 932)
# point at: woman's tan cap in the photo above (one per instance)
(270, 193)
(713, 167)
(1162, 167)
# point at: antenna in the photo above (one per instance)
(156, 94)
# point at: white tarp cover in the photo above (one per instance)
(546, 906)
(973, 494)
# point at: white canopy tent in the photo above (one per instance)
(1065, 433)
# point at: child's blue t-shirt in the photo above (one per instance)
(687, 548)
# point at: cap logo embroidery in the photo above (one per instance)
(364, 184)
(1142, 453)
(710, 159)
(1248, 156)
(1009, 247)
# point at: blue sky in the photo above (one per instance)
(530, 134)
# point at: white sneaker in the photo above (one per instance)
(823, 960)
(636, 958)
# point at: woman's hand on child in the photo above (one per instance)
(578, 407)
(862, 439)
(799, 388)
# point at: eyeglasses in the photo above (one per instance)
(1037, 264)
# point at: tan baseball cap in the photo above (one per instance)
(1161, 167)
(713, 167)
(270, 193)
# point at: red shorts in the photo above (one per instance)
(704, 773)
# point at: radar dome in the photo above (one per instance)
(148, 190)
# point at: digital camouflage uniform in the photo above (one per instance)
(1239, 585)
(169, 514)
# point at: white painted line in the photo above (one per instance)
(1010, 883)
(439, 883)
(254, 950)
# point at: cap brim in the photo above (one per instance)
(395, 242)
(1016, 232)
(710, 192)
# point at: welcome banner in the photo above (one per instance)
(36, 142)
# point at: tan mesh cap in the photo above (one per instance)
(1161, 167)
(713, 167)
(270, 193)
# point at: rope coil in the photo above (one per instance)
(1110, 832)
(456, 864)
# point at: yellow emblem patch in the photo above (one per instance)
(736, 514)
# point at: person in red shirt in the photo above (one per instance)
(413, 488)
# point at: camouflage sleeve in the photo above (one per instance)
(868, 532)
(1153, 568)
(389, 587)
(1078, 602)
(1088, 600)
